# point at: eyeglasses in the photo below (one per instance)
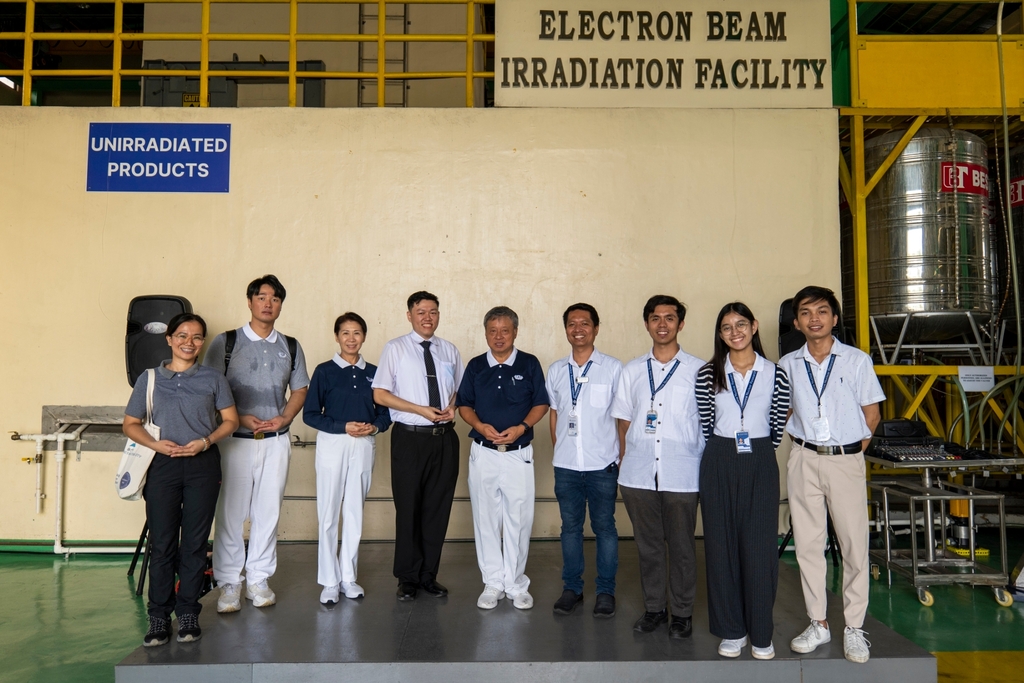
(195, 339)
(741, 326)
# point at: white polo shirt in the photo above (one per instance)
(669, 459)
(759, 402)
(851, 385)
(596, 444)
(403, 372)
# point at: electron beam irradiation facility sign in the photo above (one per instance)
(159, 157)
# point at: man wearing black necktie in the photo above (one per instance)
(417, 379)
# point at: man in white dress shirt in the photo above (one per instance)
(587, 452)
(417, 379)
(656, 407)
(834, 413)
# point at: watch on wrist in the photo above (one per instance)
(525, 426)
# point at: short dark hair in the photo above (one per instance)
(664, 300)
(813, 293)
(594, 318)
(501, 312)
(349, 317)
(254, 287)
(417, 297)
(182, 318)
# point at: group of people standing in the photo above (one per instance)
(667, 429)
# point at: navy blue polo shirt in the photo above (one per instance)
(340, 393)
(502, 394)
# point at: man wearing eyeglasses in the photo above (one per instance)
(261, 366)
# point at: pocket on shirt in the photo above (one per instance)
(600, 395)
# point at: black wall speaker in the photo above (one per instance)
(791, 339)
(144, 343)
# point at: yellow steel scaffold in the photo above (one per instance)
(293, 38)
(901, 81)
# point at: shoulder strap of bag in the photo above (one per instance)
(293, 349)
(150, 381)
(229, 346)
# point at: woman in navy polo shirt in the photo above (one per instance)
(743, 400)
(340, 407)
(183, 480)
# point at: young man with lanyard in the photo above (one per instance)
(261, 369)
(657, 411)
(834, 413)
(502, 397)
(418, 376)
(586, 459)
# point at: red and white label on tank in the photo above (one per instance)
(1017, 192)
(969, 178)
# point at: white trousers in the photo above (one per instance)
(501, 488)
(343, 467)
(253, 476)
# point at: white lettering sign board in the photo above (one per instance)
(976, 378)
(660, 53)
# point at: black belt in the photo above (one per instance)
(848, 449)
(258, 437)
(435, 430)
(501, 448)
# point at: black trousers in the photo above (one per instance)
(665, 521)
(181, 499)
(424, 469)
(739, 497)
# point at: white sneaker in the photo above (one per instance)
(813, 636)
(230, 598)
(260, 594)
(855, 645)
(489, 598)
(523, 601)
(763, 652)
(352, 590)
(329, 595)
(732, 647)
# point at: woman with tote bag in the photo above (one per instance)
(183, 480)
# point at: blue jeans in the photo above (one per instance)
(574, 490)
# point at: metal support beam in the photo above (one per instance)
(894, 154)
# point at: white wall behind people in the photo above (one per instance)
(354, 210)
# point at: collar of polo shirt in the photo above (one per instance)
(272, 337)
(757, 367)
(342, 363)
(596, 357)
(838, 348)
(680, 356)
(511, 360)
(168, 373)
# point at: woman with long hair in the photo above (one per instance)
(183, 480)
(743, 400)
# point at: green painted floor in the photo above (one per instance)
(72, 620)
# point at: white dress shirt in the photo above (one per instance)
(403, 373)
(669, 459)
(596, 444)
(759, 404)
(851, 385)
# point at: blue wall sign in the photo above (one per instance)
(159, 157)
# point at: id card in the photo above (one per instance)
(821, 430)
(651, 425)
(743, 444)
(573, 426)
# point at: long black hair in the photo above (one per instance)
(717, 362)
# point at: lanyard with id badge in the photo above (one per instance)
(820, 424)
(651, 424)
(743, 444)
(575, 387)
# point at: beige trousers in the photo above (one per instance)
(837, 480)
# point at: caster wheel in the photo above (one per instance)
(1003, 597)
(875, 572)
(925, 597)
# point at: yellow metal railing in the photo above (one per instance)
(293, 38)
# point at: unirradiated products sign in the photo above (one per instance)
(159, 157)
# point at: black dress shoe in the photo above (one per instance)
(650, 621)
(605, 606)
(433, 589)
(406, 591)
(567, 603)
(681, 627)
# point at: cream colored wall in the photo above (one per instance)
(355, 209)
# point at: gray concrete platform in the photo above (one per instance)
(379, 640)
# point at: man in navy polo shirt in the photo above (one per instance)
(502, 396)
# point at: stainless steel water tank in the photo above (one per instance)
(929, 247)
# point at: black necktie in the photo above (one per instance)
(432, 389)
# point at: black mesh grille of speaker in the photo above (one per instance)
(146, 348)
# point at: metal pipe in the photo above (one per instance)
(39, 476)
